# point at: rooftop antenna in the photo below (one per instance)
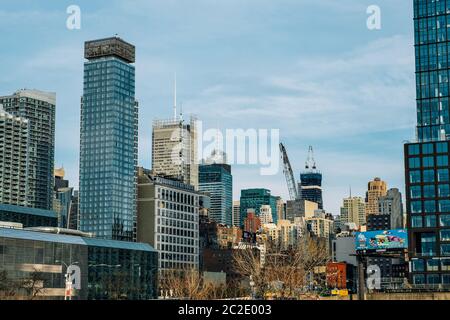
(175, 98)
(181, 111)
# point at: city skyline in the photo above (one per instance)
(254, 80)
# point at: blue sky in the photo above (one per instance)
(310, 68)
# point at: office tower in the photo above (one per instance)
(174, 148)
(300, 209)
(168, 220)
(38, 108)
(254, 199)
(236, 213)
(426, 159)
(109, 140)
(216, 180)
(353, 211)
(375, 189)
(265, 214)
(13, 159)
(310, 186)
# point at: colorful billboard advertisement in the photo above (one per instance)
(382, 240)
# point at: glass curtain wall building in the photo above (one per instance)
(109, 141)
(254, 199)
(426, 160)
(217, 181)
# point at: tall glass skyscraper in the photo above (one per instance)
(216, 179)
(254, 199)
(109, 141)
(427, 160)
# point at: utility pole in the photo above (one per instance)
(361, 279)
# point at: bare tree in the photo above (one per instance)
(33, 285)
(287, 272)
(8, 287)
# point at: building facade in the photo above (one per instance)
(216, 180)
(236, 213)
(300, 209)
(13, 159)
(38, 108)
(353, 211)
(174, 150)
(254, 199)
(168, 220)
(426, 159)
(392, 205)
(109, 141)
(375, 189)
(265, 214)
(310, 187)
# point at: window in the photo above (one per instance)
(445, 235)
(445, 249)
(428, 244)
(430, 206)
(430, 221)
(433, 264)
(428, 161)
(414, 162)
(428, 176)
(433, 279)
(443, 175)
(442, 147)
(445, 220)
(414, 176)
(442, 161)
(418, 265)
(444, 205)
(413, 149)
(429, 191)
(444, 190)
(418, 279)
(427, 148)
(445, 264)
(416, 222)
(416, 192)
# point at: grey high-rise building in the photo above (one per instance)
(38, 108)
(109, 141)
(13, 159)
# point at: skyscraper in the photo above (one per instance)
(426, 160)
(109, 141)
(13, 159)
(63, 198)
(310, 187)
(375, 189)
(236, 213)
(174, 148)
(254, 199)
(217, 181)
(38, 108)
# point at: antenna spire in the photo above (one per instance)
(310, 162)
(175, 98)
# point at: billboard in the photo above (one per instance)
(382, 240)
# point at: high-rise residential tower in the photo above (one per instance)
(310, 186)
(109, 141)
(217, 181)
(427, 159)
(375, 189)
(13, 159)
(38, 108)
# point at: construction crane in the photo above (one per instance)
(289, 174)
